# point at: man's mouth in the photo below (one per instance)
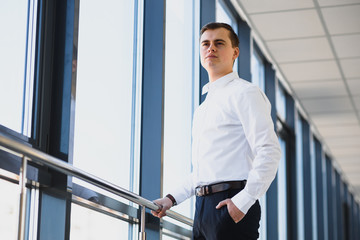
(211, 56)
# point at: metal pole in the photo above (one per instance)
(142, 234)
(22, 208)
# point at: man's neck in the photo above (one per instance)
(215, 76)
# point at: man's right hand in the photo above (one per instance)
(165, 203)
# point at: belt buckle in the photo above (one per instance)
(200, 191)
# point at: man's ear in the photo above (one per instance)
(236, 53)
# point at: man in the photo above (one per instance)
(235, 151)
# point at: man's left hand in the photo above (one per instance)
(235, 213)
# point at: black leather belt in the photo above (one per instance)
(219, 187)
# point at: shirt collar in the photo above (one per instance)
(219, 82)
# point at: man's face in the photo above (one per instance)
(216, 51)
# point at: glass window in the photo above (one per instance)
(258, 70)
(223, 15)
(282, 207)
(281, 102)
(87, 224)
(16, 64)
(299, 177)
(263, 223)
(313, 187)
(9, 210)
(258, 78)
(104, 90)
(330, 197)
(174, 237)
(179, 100)
(166, 237)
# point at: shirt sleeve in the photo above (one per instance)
(185, 190)
(254, 111)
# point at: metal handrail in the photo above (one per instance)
(37, 156)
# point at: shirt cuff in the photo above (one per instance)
(179, 196)
(243, 201)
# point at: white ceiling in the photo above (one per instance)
(315, 45)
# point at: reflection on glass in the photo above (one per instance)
(282, 207)
(257, 70)
(9, 207)
(13, 28)
(103, 111)
(87, 224)
(223, 15)
(178, 98)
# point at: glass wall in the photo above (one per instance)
(257, 70)
(282, 199)
(280, 102)
(224, 15)
(299, 178)
(9, 209)
(104, 109)
(16, 64)
(258, 78)
(314, 187)
(178, 97)
(91, 225)
(104, 90)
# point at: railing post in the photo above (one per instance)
(22, 208)
(142, 234)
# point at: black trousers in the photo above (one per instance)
(216, 224)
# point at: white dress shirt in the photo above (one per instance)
(233, 139)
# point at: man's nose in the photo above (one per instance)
(211, 48)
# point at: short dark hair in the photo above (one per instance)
(215, 25)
